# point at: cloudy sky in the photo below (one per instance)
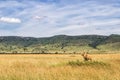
(43, 18)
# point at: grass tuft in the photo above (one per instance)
(86, 63)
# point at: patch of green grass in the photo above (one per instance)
(86, 63)
(110, 47)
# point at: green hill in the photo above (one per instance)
(59, 43)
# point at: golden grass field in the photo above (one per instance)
(56, 67)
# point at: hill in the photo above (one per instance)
(59, 43)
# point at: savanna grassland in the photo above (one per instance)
(59, 67)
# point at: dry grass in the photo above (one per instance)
(55, 67)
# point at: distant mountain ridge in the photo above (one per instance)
(58, 43)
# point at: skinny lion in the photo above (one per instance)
(86, 57)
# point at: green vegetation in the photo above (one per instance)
(59, 44)
(87, 63)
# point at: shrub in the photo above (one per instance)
(86, 63)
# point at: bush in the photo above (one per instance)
(86, 63)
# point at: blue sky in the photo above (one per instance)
(44, 18)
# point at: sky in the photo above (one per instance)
(44, 18)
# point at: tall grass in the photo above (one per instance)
(40, 67)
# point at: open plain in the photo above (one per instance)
(59, 67)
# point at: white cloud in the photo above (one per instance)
(88, 25)
(10, 20)
(39, 17)
(47, 19)
(69, 19)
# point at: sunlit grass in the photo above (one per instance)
(59, 67)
